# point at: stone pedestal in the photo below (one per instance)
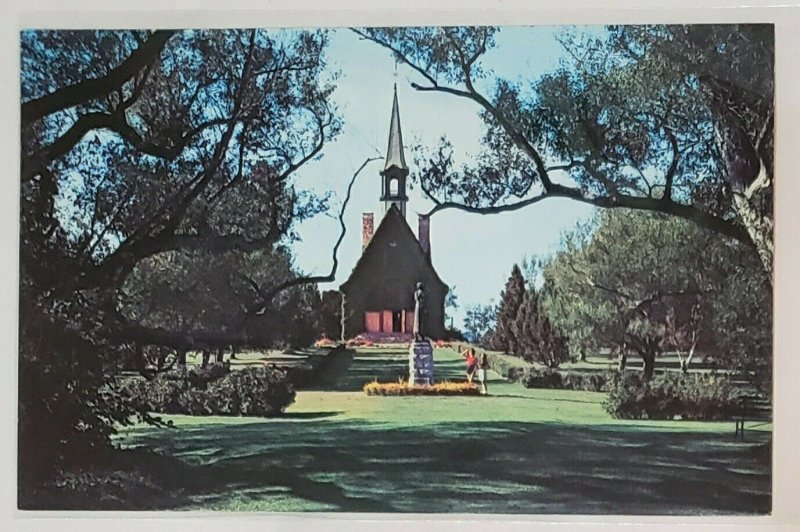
(420, 363)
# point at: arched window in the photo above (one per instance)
(394, 187)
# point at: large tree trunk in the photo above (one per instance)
(758, 227)
(649, 359)
(206, 357)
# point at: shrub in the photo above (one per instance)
(199, 377)
(671, 395)
(262, 391)
(402, 387)
(548, 378)
(250, 392)
(322, 370)
(509, 367)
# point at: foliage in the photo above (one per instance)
(672, 286)
(509, 367)
(68, 406)
(479, 323)
(675, 119)
(403, 388)
(332, 314)
(673, 395)
(742, 324)
(250, 392)
(188, 291)
(651, 294)
(253, 391)
(511, 298)
(149, 158)
(535, 339)
(321, 370)
(569, 380)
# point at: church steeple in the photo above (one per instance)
(395, 170)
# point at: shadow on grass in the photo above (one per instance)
(556, 399)
(310, 415)
(495, 467)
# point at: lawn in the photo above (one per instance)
(515, 451)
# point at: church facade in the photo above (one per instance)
(378, 297)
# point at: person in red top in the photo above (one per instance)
(471, 361)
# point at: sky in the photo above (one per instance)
(472, 253)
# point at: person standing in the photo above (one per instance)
(471, 361)
(483, 367)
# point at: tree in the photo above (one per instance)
(535, 339)
(658, 291)
(511, 298)
(479, 322)
(167, 152)
(671, 119)
(450, 304)
(183, 292)
(741, 324)
(332, 314)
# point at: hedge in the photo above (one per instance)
(673, 395)
(259, 391)
(564, 380)
(511, 368)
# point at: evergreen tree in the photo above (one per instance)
(535, 338)
(332, 314)
(510, 300)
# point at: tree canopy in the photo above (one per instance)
(667, 288)
(157, 188)
(672, 119)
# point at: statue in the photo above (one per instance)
(419, 301)
(420, 352)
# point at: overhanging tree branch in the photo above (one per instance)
(613, 200)
(297, 281)
(91, 89)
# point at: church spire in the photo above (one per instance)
(395, 171)
(394, 152)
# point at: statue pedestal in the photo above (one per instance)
(420, 363)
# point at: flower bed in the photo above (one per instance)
(440, 388)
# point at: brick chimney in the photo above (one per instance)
(424, 234)
(367, 227)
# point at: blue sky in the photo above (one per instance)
(472, 253)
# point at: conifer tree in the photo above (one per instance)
(535, 338)
(510, 300)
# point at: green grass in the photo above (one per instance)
(516, 451)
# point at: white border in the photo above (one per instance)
(309, 13)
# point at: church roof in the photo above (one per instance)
(393, 217)
(394, 152)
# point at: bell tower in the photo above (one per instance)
(395, 170)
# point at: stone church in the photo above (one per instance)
(378, 297)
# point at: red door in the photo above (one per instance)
(372, 321)
(387, 321)
(409, 325)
